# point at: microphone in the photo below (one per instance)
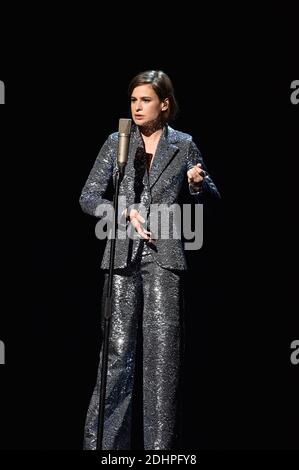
(124, 131)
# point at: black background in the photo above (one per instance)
(66, 86)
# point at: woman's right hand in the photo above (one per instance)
(136, 220)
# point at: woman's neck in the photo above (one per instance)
(152, 128)
(153, 137)
(151, 141)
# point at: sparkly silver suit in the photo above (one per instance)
(147, 289)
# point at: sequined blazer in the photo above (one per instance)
(175, 155)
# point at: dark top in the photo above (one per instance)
(149, 157)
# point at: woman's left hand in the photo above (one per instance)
(196, 175)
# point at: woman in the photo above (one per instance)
(147, 281)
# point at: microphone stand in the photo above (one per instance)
(107, 310)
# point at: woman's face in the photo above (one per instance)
(146, 106)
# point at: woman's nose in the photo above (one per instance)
(138, 107)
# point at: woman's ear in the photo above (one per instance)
(165, 104)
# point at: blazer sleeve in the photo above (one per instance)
(208, 188)
(102, 171)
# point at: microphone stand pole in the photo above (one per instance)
(107, 311)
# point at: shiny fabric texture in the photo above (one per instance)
(176, 153)
(154, 295)
(147, 290)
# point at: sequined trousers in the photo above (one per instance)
(155, 294)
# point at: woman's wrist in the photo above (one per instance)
(196, 187)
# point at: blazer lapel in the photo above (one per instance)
(164, 154)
